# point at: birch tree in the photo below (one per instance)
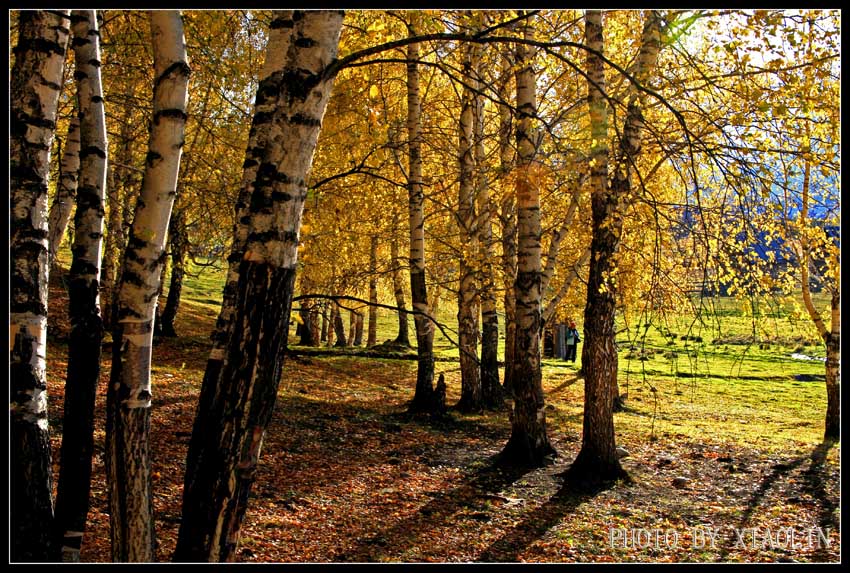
(84, 342)
(468, 300)
(36, 77)
(423, 398)
(236, 405)
(529, 442)
(129, 393)
(66, 189)
(597, 459)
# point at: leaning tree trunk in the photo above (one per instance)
(179, 246)
(597, 459)
(35, 81)
(529, 442)
(372, 335)
(191, 543)
(84, 342)
(403, 336)
(507, 218)
(115, 226)
(423, 397)
(468, 303)
(830, 335)
(66, 190)
(129, 394)
(230, 423)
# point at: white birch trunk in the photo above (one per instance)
(35, 83)
(84, 345)
(129, 394)
(66, 190)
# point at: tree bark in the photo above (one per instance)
(84, 342)
(129, 393)
(179, 245)
(35, 82)
(358, 329)
(507, 218)
(468, 302)
(324, 333)
(492, 395)
(597, 460)
(352, 327)
(116, 227)
(423, 398)
(66, 190)
(372, 336)
(403, 336)
(236, 407)
(529, 442)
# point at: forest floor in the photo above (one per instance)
(726, 469)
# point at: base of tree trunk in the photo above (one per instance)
(832, 432)
(619, 404)
(469, 406)
(433, 403)
(168, 331)
(402, 342)
(590, 470)
(519, 452)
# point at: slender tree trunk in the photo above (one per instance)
(35, 81)
(529, 442)
(84, 342)
(324, 333)
(331, 334)
(163, 274)
(492, 395)
(358, 329)
(468, 303)
(830, 335)
(403, 336)
(372, 336)
(339, 329)
(66, 190)
(597, 459)
(230, 423)
(305, 330)
(111, 248)
(507, 218)
(599, 357)
(352, 326)
(178, 242)
(129, 394)
(832, 430)
(423, 398)
(116, 227)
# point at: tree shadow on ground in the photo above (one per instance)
(486, 481)
(814, 483)
(535, 524)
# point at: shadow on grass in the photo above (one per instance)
(534, 525)
(814, 483)
(440, 511)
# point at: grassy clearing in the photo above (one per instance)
(346, 475)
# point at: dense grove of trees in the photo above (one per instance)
(551, 165)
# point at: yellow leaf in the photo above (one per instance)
(373, 92)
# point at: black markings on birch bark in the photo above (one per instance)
(39, 60)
